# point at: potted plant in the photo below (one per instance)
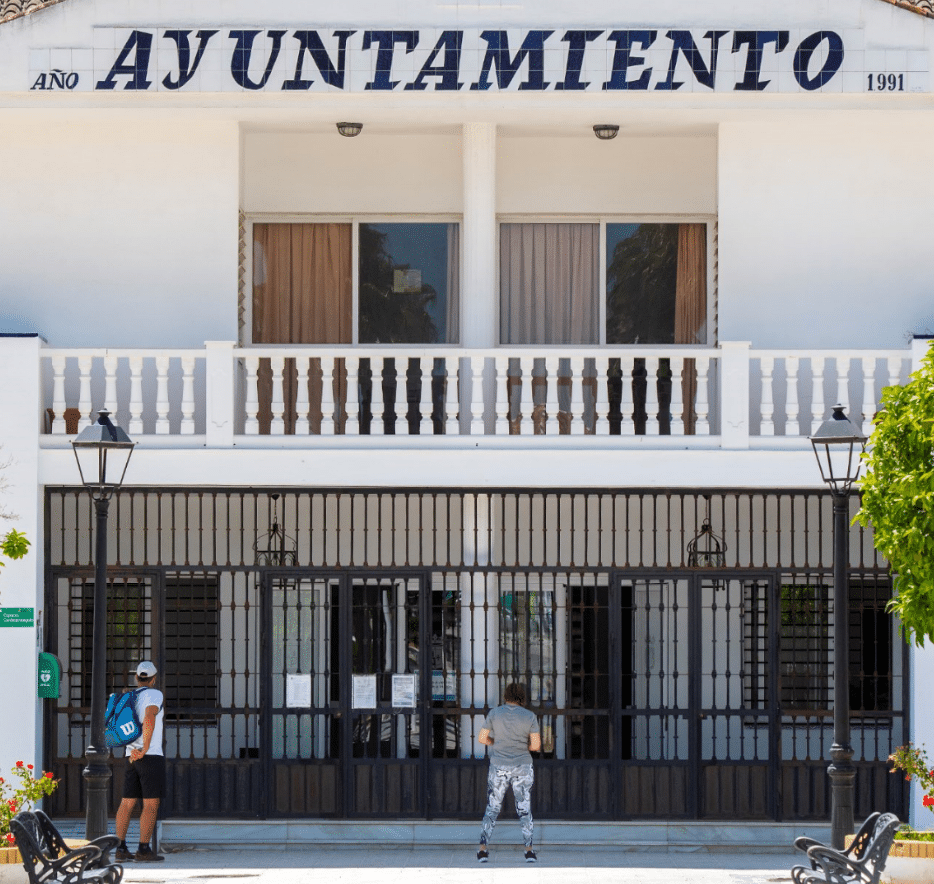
(18, 792)
(911, 858)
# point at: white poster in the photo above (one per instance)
(403, 692)
(298, 691)
(364, 692)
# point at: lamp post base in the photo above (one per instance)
(97, 776)
(842, 779)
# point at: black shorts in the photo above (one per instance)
(145, 778)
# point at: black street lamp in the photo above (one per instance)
(102, 451)
(838, 446)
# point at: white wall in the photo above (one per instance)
(119, 230)
(823, 224)
(625, 175)
(299, 172)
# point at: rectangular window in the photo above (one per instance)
(408, 283)
(191, 638)
(805, 647)
(192, 641)
(655, 292)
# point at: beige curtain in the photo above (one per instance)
(302, 294)
(549, 294)
(691, 306)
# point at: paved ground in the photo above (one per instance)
(434, 865)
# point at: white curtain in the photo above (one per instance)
(549, 283)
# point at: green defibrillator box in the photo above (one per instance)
(49, 677)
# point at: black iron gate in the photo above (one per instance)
(344, 669)
(352, 683)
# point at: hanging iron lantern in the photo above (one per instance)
(707, 549)
(275, 549)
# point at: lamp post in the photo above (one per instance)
(838, 446)
(102, 451)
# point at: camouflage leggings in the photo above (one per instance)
(520, 777)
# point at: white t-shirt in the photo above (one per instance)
(150, 697)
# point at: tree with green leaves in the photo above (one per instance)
(898, 497)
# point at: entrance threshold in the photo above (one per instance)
(667, 837)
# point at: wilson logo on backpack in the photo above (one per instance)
(121, 722)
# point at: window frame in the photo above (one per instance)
(245, 319)
(602, 220)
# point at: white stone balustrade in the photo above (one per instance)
(731, 395)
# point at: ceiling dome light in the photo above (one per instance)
(350, 130)
(605, 131)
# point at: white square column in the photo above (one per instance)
(21, 582)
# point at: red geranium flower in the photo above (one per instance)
(49, 775)
(19, 763)
(29, 766)
(928, 800)
(10, 838)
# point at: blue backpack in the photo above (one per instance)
(121, 722)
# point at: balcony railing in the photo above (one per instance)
(224, 395)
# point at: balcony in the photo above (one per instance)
(224, 396)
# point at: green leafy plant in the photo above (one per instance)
(898, 497)
(913, 762)
(14, 545)
(21, 794)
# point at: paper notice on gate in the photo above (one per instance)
(298, 691)
(364, 692)
(403, 692)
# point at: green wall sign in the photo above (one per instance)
(17, 617)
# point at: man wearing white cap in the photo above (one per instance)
(145, 773)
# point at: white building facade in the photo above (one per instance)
(435, 388)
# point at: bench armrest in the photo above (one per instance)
(837, 867)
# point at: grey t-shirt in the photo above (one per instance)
(510, 727)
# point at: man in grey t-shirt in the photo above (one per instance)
(512, 732)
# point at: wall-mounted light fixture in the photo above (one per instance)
(350, 130)
(606, 131)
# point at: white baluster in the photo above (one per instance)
(676, 364)
(843, 372)
(869, 392)
(352, 406)
(162, 394)
(58, 394)
(577, 395)
(277, 401)
(477, 364)
(377, 427)
(527, 396)
(792, 410)
(701, 401)
(251, 425)
(651, 396)
(502, 395)
(451, 395)
(627, 425)
(817, 392)
(426, 426)
(188, 396)
(894, 365)
(84, 392)
(136, 395)
(601, 406)
(327, 396)
(110, 385)
(401, 403)
(551, 397)
(767, 404)
(302, 427)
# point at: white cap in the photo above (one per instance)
(146, 669)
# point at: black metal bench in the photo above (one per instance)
(859, 864)
(43, 865)
(53, 843)
(857, 846)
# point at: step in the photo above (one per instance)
(629, 836)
